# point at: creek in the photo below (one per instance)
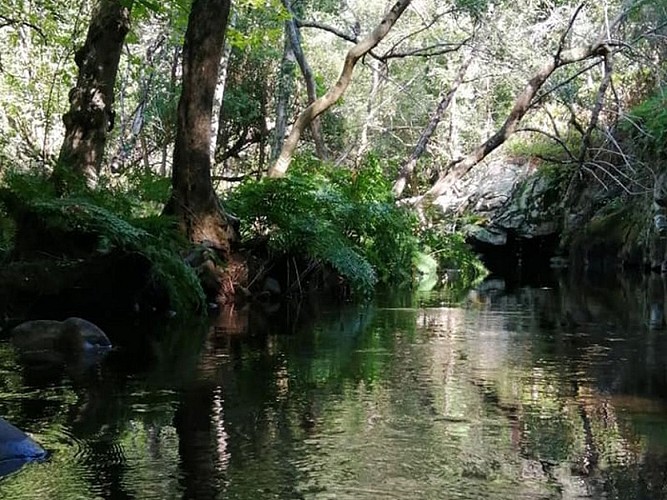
(554, 390)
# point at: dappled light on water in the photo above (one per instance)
(533, 393)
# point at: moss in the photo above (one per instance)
(618, 231)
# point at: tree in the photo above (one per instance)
(601, 48)
(91, 114)
(409, 165)
(318, 107)
(293, 34)
(193, 201)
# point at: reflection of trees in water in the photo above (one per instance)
(540, 393)
(587, 380)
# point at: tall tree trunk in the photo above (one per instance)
(334, 93)
(284, 91)
(91, 115)
(409, 166)
(219, 94)
(175, 58)
(193, 200)
(379, 78)
(293, 33)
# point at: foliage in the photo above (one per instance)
(110, 217)
(344, 218)
(646, 123)
(448, 252)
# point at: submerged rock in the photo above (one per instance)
(60, 341)
(16, 448)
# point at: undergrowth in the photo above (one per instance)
(347, 219)
(646, 124)
(119, 220)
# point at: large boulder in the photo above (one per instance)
(511, 199)
(59, 341)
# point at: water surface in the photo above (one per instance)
(536, 393)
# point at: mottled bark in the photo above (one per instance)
(334, 93)
(91, 115)
(194, 201)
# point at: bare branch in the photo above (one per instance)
(425, 27)
(563, 37)
(9, 21)
(325, 27)
(599, 101)
(432, 50)
(554, 138)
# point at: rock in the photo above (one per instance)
(487, 235)
(16, 448)
(74, 335)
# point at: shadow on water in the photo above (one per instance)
(510, 391)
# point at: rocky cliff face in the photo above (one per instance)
(526, 210)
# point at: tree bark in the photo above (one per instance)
(294, 35)
(409, 166)
(91, 115)
(334, 93)
(284, 91)
(193, 200)
(380, 73)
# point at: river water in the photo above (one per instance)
(504, 392)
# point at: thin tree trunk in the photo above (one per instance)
(379, 77)
(334, 93)
(408, 167)
(91, 115)
(172, 89)
(285, 82)
(294, 35)
(193, 200)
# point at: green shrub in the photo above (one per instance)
(344, 218)
(647, 126)
(110, 217)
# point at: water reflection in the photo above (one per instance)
(553, 392)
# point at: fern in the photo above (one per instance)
(108, 215)
(345, 219)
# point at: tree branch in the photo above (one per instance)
(457, 169)
(420, 148)
(334, 93)
(10, 21)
